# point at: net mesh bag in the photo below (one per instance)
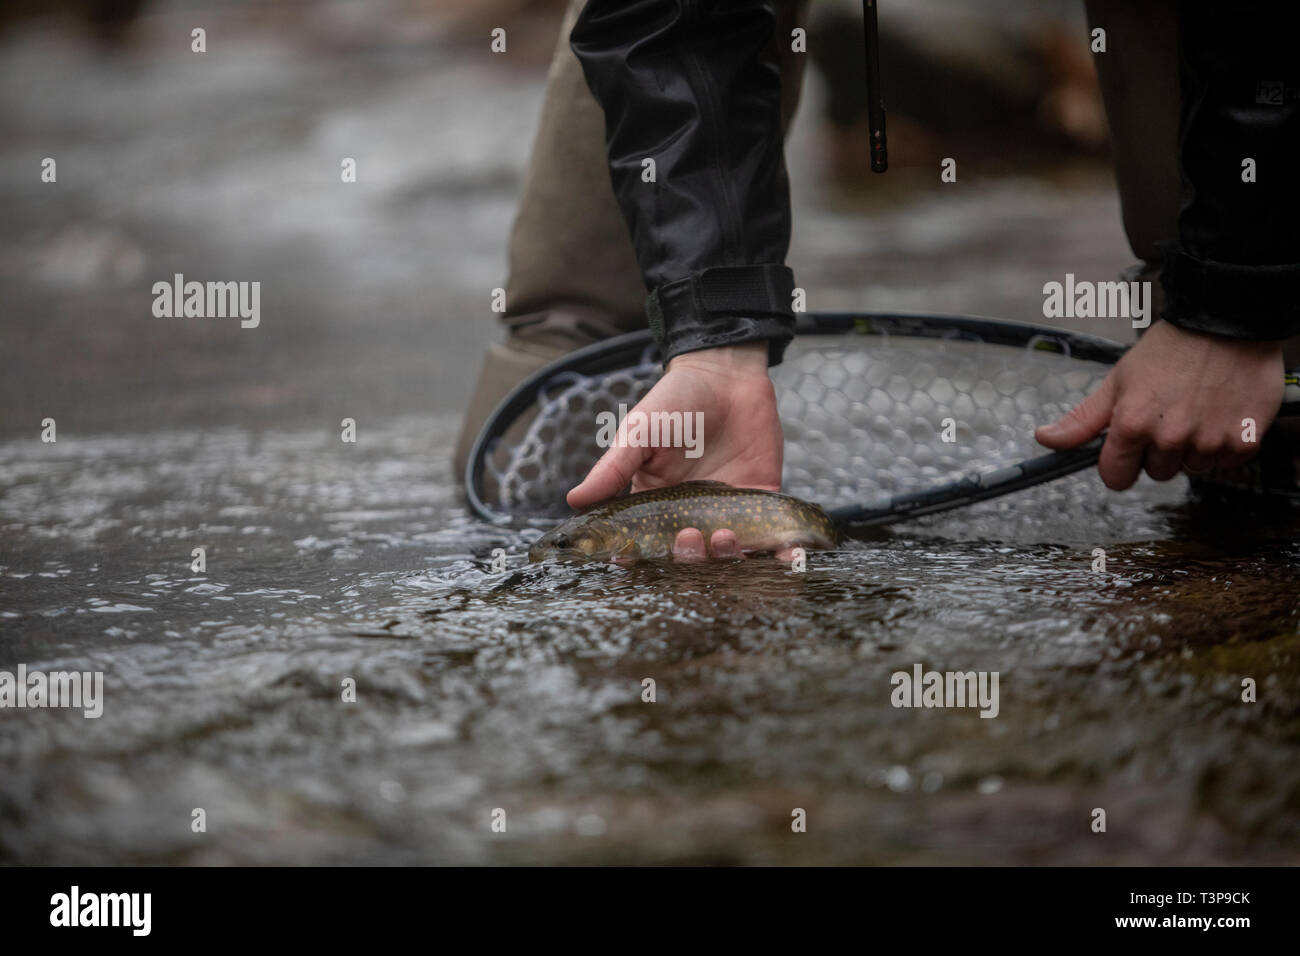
(865, 417)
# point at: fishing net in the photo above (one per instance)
(866, 416)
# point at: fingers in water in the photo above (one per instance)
(689, 545)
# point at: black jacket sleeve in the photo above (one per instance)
(1235, 267)
(695, 86)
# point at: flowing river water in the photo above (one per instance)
(521, 689)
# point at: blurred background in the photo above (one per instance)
(375, 294)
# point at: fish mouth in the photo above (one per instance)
(540, 555)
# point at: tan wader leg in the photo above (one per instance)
(574, 277)
(1139, 84)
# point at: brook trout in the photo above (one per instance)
(644, 525)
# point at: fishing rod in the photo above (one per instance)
(875, 99)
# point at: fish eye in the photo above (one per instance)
(561, 541)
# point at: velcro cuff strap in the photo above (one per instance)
(724, 305)
(1259, 303)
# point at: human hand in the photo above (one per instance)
(742, 443)
(1176, 399)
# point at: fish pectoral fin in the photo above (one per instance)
(629, 552)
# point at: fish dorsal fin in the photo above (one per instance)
(706, 481)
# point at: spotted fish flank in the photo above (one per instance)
(644, 525)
